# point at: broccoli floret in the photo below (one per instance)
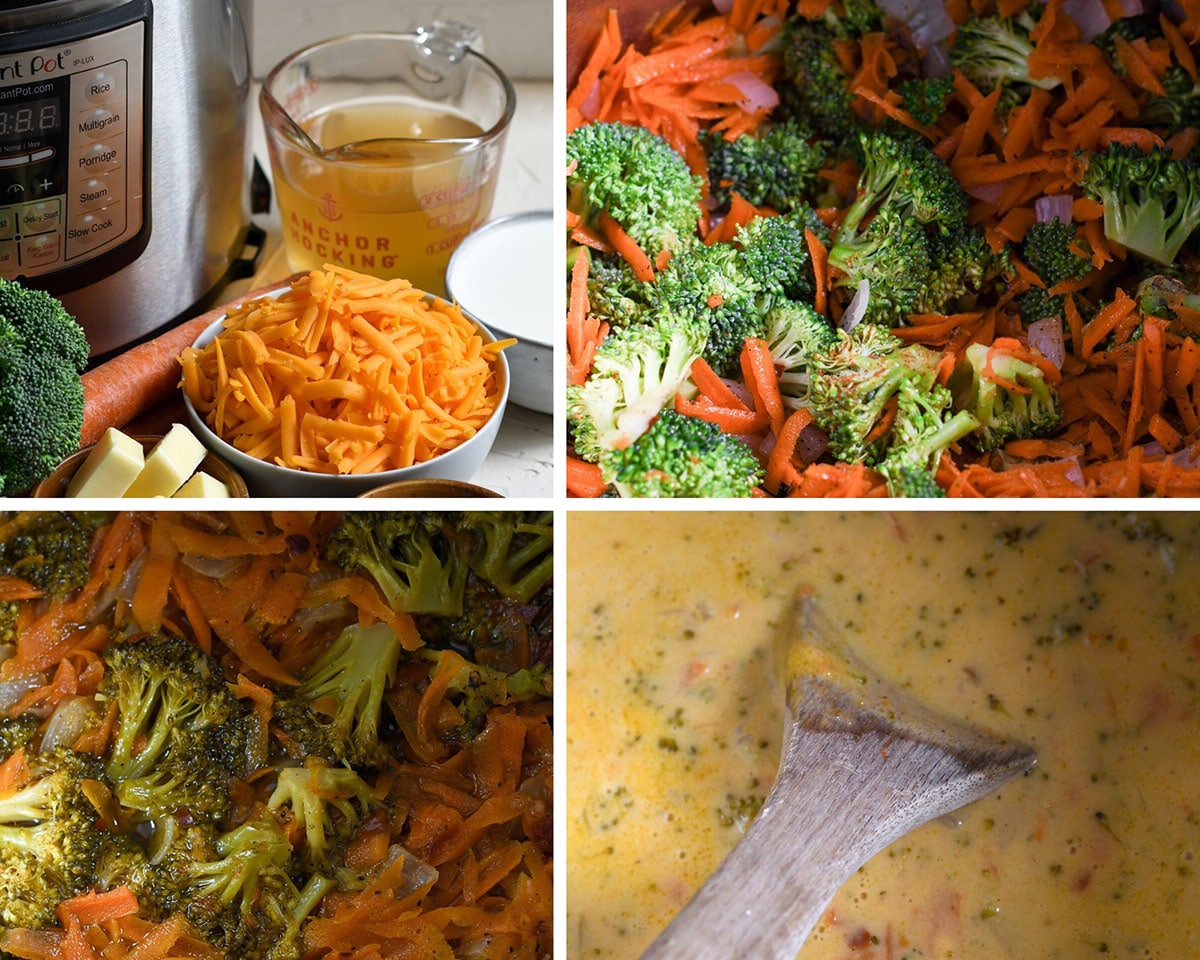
(1143, 26)
(901, 172)
(17, 732)
(774, 254)
(922, 430)
(514, 551)
(418, 569)
(710, 286)
(615, 295)
(892, 254)
(855, 383)
(637, 179)
(43, 351)
(327, 802)
(49, 839)
(1048, 250)
(850, 19)
(170, 695)
(1179, 108)
(795, 331)
(192, 784)
(994, 51)
(334, 713)
(636, 372)
(1028, 408)
(682, 456)
(925, 98)
(1151, 201)
(50, 550)
(822, 88)
(475, 689)
(777, 168)
(962, 265)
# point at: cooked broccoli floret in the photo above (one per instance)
(710, 286)
(327, 802)
(1151, 201)
(49, 840)
(49, 549)
(475, 689)
(43, 351)
(850, 19)
(822, 94)
(192, 784)
(795, 331)
(777, 168)
(855, 383)
(1052, 251)
(170, 695)
(17, 732)
(962, 265)
(925, 98)
(892, 254)
(514, 550)
(636, 372)
(994, 51)
(418, 569)
(922, 430)
(637, 179)
(901, 172)
(682, 456)
(334, 713)
(1178, 108)
(1141, 26)
(774, 253)
(1008, 396)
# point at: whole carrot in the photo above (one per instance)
(120, 389)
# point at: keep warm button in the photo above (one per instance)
(93, 230)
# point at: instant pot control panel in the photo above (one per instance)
(74, 112)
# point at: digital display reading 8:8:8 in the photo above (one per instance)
(32, 117)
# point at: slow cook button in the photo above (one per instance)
(100, 123)
(98, 158)
(40, 251)
(94, 194)
(93, 230)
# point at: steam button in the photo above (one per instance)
(94, 194)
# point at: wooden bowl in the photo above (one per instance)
(56, 484)
(429, 488)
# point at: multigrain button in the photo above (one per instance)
(100, 123)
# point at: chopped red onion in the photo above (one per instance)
(1131, 8)
(590, 108)
(723, 6)
(759, 95)
(931, 25)
(1074, 471)
(1090, 17)
(987, 192)
(936, 61)
(812, 443)
(1046, 337)
(1059, 206)
(856, 309)
(739, 390)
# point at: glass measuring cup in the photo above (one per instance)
(385, 149)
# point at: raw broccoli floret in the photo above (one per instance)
(774, 254)
(777, 168)
(1178, 108)
(43, 351)
(850, 19)
(1008, 396)
(1151, 200)
(925, 98)
(682, 456)
(795, 331)
(615, 295)
(854, 384)
(962, 264)
(711, 287)
(892, 254)
(637, 179)
(900, 171)
(513, 551)
(49, 839)
(1052, 251)
(822, 88)
(923, 429)
(994, 51)
(326, 802)
(418, 569)
(636, 372)
(335, 711)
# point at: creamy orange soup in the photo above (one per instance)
(1078, 633)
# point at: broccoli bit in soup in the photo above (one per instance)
(1076, 633)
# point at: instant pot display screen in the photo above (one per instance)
(34, 117)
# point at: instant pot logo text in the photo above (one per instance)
(34, 65)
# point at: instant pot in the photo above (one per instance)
(125, 164)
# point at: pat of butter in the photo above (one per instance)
(111, 467)
(203, 485)
(174, 458)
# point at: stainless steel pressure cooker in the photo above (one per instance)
(124, 157)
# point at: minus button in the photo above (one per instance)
(44, 154)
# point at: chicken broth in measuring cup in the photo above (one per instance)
(1078, 634)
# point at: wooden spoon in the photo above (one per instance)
(862, 765)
